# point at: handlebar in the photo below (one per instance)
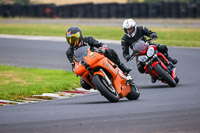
(150, 40)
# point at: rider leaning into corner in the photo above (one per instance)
(76, 40)
(133, 34)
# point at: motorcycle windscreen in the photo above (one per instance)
(80, 53)
(140, 46)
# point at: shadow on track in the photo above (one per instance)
(163, 86)
(103, 102)
(155, 87)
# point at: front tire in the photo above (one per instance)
(101, 85)
(164, 75)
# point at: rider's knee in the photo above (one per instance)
(162, 48)
(85, 85)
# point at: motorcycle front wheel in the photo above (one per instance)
(101, 84)
(164, 75)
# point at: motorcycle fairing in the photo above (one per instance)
(96, 61)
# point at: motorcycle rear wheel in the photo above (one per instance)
(101, 85)
(164, 75)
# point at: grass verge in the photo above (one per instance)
(17, 83)
(169, 36)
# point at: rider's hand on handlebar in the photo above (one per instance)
(103, 49)
(153, 36)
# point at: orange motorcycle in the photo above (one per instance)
(103, 75)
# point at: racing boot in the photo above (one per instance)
(153, 79)
(174, 61)
(125, 69)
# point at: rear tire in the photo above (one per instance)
(164, 75)
(134, 94)
(103, 89)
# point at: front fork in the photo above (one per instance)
(106, 77)
(108, 82)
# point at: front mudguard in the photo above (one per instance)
(99, 73)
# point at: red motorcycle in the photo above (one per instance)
(155, 63)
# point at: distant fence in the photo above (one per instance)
(111, 10)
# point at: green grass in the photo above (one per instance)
(17, 83)
(189, 37)
(178, 36)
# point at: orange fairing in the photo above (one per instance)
(79, 69)
(99, 73)
(92, 58)
(95, 60)
(120, 85)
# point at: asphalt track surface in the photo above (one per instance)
(160, 108)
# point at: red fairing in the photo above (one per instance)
(159, 62)
(155, 73)
(150, 72)
(143, 52)
(173, 74)
(153, 47)
(160, 54)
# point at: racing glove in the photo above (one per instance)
(153, 36)
(103, 49)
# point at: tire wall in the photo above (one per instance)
(111, 10)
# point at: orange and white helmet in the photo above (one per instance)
(130, 24)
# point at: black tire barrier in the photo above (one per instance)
(111, 10)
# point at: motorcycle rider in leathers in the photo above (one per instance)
(75, 39)
(133, 34)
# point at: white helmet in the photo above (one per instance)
(127, 24)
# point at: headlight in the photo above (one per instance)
(142, 58)
(150, 51)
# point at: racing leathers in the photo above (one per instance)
(128, 42)
(109, 53)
